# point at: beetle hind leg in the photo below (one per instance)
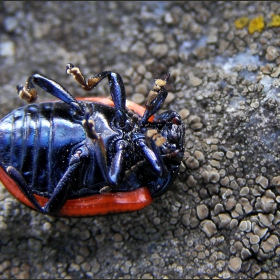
(29, 92)
(23, 186)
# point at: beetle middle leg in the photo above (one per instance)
(117, 89)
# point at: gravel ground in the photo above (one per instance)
(221, 218)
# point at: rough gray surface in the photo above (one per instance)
(221, 218)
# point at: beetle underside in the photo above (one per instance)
(89, 148)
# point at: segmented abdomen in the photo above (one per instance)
(37, 140)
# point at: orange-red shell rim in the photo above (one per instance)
(93, 205)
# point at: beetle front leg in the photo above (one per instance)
(29, 92)
(156, 99)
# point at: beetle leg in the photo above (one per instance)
(156, 98)
(117, 162)
(29, 92)
(61, 191)
(155, 140)
(98, 146)
(168, 117)
(117, 89)
(153, 157)
(111, 176)
(23, 186)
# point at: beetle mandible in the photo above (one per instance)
(90, 156)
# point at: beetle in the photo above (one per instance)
(89, 156)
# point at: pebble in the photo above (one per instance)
(263, 181)
(244, 191)
(10, 23)
(138, 98)
(195, 82)
(270, 244)
(199, 155)
(159, 50)
(271, 53)
(235, 264)
(266, 220)
(260, 231)
(192, 162)
(168, 18)
(7, 48)
(209, 228)
(245, 253)
(225, 220)
(266, 204)
(184, 113)
(142, 88)
(276, 72)
(254, 239)
(202, 211)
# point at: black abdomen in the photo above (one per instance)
(34, 137)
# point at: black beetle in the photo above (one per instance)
(92, 156)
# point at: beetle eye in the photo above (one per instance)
(176, 121)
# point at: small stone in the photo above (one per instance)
(261, 232)
(141, 69)
(117, 237)
(138, 98)
(225, 220)
(195, 81)
(219, 208)
(225, 181)
(245, 254)
(254, 239)
(168, 18)
(202, 211)
(271, 53)
(184, 113)
(235, 264)
(243, 226)
(159, 50)
(7, 48)
(192, 163)
(142, 88)
(266, 204)
(233, 224)
(270, 244)
(10, 23)
(255, 270)
(218, 155)
(276, 72)
(199, 155)
(229, 154)
(214, 177)
(263, 181)
(209, 228)
(266, 220)
(244, 191)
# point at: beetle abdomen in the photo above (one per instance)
(32, 137)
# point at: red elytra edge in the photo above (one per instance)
(93, 205)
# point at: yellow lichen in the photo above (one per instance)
(256, 24)
(275, 22)
(241, 22)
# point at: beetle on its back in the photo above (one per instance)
(93, 156)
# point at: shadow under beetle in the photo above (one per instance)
(91, 156)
